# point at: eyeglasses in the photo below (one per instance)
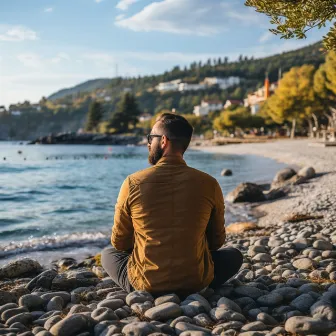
(150, 137)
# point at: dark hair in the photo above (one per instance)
(177, 129)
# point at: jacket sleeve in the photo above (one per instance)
(123, 232)
(216, 228)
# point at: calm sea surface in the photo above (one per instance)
(59, 200)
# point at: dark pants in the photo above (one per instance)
(227, 262)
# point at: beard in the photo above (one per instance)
(155, 154)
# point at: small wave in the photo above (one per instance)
(18, 231)
(9, 221)
(13, 198)
(50, 243)
(16, 170)
(73, 187)
(67, 210)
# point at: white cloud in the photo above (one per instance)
(125, 4)
(120, 17)
(49, 10)
(16, 33)
(266, 37)
(60, 57)
(197, 17)
(30, 60)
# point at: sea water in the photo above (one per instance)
(59, 200)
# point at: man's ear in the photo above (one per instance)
(164, 142)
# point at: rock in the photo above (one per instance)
(308, 326)
(138, 297)
(31, 302)
(111, 303)
(246, 192)
(43, 280)
(274, 194)
(195, 333)
(24, 318)
(221, 314)
(248, 291)
(139, 329)
(304, 264)
(19, 267)
(228, 304)
(235, 325)
(323, 245)
(241, 227)
(284, 175)
(303, 303)
(197, 297)
(267, 319)
(64, 295)
(122, 313)
(323, 311)
(307, 172)
(193, 308)
(167, 298)
(6, 297)
(254, 326)
(164, 312)
(104, 314)
(7, 314)
(262, 257)
(56, 303)
(52, 321)
(141, 308)
(72, 325)
(226, 172)
(301, 243)
(79, 308)
(254, 333)
(288, 293)
(7, 306)
(184, 326)
(73, 279)
(203, 320)
(332, 276)
(270, 300)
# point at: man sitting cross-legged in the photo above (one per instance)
(169, 222)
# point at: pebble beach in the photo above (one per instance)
(286, 286)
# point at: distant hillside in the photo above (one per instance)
(66, 110)
(90, 85)
(249, 68)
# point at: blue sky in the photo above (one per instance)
(46, 45)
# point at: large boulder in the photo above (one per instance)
(19, 267)
(307, 172)
(246, 192)
(284, 175)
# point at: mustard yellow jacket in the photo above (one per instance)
(171, 216)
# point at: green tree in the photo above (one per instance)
(294, 18)
(294, 98)
(325, 88)
(127, 114)
(95, 116)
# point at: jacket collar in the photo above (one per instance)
(172, 160)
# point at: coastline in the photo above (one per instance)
(316, 197)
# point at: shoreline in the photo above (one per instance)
(316, 197)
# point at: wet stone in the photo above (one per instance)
(303, 303)
(270, 300)
(228, 304)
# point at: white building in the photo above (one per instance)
(107, 98)
(232, 102)
(145, 117)
(169, 86)
(223, 83)
(207, 106)
(191, 87)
